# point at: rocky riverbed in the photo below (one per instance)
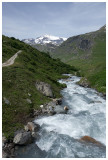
(29, 134)
(77, 131)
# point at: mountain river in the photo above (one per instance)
(60, 133)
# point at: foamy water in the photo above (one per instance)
(59, 134)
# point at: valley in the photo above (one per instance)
(53, 79)
(87, 52)
(30, 84)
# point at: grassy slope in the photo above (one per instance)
(94, 69)
(19, 80)
(91, 62)
(44, 48)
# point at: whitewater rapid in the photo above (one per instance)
(60, 133)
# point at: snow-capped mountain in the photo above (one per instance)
(46, 39)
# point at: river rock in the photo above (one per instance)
(49, 108)
(58, 101)
(52, 112)
(31, 127)
(44, 88)
(35, 135)
(53, 107)
(23, 138)
(89, 139)
(66, 108)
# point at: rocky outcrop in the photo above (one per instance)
(23, 138)
(83, 82)
(85, 44)
(44, 88)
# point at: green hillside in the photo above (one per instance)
(19, 80)
(87, 52)
(48, 47)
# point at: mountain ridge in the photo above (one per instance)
(46, 43)
(45, 40)
(87, 52)
(82, 42)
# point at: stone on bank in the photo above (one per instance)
(44, 88)
(23, 138)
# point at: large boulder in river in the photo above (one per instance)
(23, 138)
(44, 88)
(89, 139)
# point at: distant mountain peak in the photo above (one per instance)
(45, 40)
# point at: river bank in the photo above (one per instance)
(85, 117)
(85, 83)
(28, 134)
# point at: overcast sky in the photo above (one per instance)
(64, 19)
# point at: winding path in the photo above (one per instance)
(11, 60)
